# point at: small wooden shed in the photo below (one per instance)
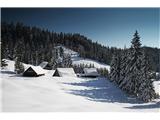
(64, 72)
(34, 71)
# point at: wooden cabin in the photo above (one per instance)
(64, 72)
(34, 71)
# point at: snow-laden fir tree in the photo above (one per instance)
(112, 74)
(124, 62)
(133, 68)
(146, 90)
(115, 68)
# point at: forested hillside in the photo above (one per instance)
(35, 42)
(36, 45)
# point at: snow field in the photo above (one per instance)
(66, 94)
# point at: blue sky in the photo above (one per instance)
(108, 26)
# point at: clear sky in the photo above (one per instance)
(108, 26)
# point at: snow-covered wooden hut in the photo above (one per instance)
(90, 72)
(62, 72)
(34, 71)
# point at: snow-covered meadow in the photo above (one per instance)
(66, 94)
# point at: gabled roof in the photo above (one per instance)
(65, 72)
(37, 69)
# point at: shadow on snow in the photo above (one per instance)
(102, 90)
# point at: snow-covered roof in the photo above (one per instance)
(37, 69)
(43, 64)
(90, 72)
(66, 72)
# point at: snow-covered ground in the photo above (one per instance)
(47, 94)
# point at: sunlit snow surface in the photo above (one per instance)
(66, 94)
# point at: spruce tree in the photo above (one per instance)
(132, 78)
(115, 68)
(123, 64)
(146, 90)
(112, 74)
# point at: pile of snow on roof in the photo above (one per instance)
(37, 69)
